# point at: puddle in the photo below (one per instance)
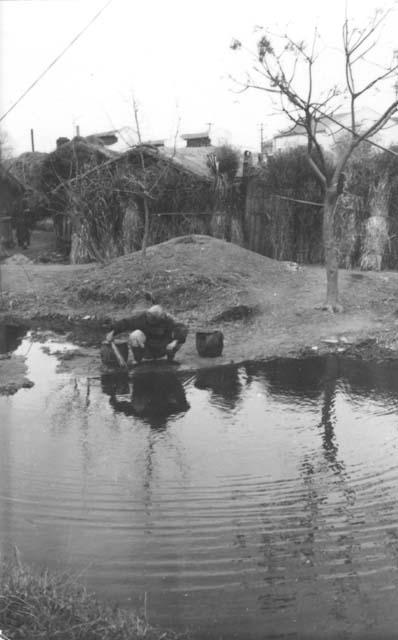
(247, 502)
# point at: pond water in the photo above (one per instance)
(251, 502)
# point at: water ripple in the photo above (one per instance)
(268, 503)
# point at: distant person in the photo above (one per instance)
(22, 228)
(154, 333)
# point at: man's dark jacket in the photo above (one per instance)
(159, 332)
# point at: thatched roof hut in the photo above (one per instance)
(71, 159)
(93, 188)
(88, 189)
(27, 168)
(173, 185)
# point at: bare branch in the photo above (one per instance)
(379, 78)
(361, 56)
(146, 206)
(367, 33)
(314, 143)
(309, 82)
(317, 171)
(364, 138)
(379, 124)
(266, 89)
(312, 56)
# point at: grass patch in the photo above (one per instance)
(55, 606)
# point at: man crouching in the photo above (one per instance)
(154, 333)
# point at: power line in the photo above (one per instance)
(55, 60)
(371, 142)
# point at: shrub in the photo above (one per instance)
(228, 159)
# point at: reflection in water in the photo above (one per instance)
(290, 377)
(10, 337)
(153, 395)
(304, 379)
(269, 509)
(329, 383)
(224, 384)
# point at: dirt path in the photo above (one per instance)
(201, 279)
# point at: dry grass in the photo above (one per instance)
(50, 606)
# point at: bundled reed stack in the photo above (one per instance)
(132, 228)
(348, 226)
(376, 238)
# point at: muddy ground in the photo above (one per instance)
(265, 308)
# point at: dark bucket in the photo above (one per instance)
(209, 344)
(108, 357)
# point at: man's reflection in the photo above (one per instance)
(224, 384)
(152, 395)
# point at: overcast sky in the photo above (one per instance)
(173, 56)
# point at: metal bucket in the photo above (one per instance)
(209, 344)
(108, 357)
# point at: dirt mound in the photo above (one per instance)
(264, 307)
(184, 273)
(18, 258)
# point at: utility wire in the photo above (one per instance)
(55, 60)
(369, 140)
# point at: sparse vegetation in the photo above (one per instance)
(41, 605)
(228, 160)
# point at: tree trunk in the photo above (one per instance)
(331, 249)
(146, 227)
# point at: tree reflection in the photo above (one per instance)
(328, 415)
(325, 482)
(301, 379)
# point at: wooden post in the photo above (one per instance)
(32, 139)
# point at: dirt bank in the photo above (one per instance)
(13, 375)
(265, 308)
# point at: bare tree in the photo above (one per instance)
(287, 71)
(145, 198)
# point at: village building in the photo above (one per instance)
(197, 139)
(331, 130)
(186, 192)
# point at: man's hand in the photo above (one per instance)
(171, 347)
(109, 336)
